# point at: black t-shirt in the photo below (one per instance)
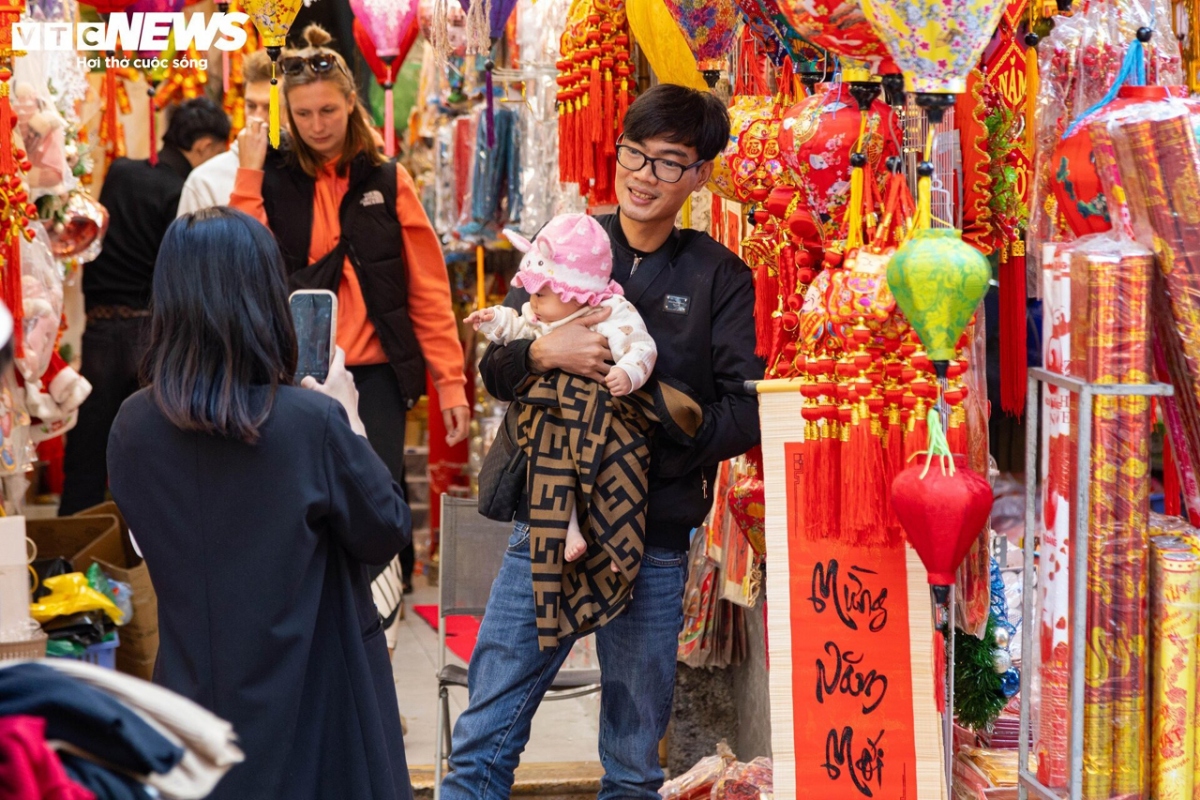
(142, 201)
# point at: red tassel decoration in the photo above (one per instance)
(153, 130)
(610, 139)
(1013, 365)
(893, 453)
(916, 438)
(1172, 503)
(622, 103)
(12, 288)
(815, 504)
(956, 435)
(863, 521)
(596, 101)
(829, 455)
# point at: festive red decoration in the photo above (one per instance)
(747, 506)
(596, 85)
(942, 506)
(1075, 184)
(816, 138)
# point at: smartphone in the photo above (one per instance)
(314, 314)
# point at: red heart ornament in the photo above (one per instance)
(942, 514)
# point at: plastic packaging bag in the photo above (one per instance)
(71, 594)
(41, 128)
(698, 782)
(752, 781)
(120, 593)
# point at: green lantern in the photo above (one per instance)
(938, 281)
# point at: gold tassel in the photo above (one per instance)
(1031, 93)
(274, 129)
(854, 212)
(925, 189)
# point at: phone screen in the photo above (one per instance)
(312, 315)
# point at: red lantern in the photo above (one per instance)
(1075, 184)
(942, 506)
(816, 138)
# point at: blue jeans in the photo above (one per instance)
(509, 675)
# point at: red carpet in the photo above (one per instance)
(461, 632)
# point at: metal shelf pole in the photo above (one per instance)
(1030, 656)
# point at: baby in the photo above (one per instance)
(567, 271)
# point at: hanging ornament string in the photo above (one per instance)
(939, 448)
(1133, 71)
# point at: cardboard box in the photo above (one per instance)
(137, 667)
(75, 539)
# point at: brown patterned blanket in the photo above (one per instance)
(590, 450)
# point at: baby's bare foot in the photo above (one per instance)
(576, 545)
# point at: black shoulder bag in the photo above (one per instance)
(502, 474)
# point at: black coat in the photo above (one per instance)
(259, 557)
(697, 300)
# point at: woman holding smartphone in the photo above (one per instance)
(259, 507)
(349, 221)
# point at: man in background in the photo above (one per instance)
(141, 199)
(211, 183)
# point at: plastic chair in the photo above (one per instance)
(471, 550)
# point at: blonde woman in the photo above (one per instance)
(350, 221)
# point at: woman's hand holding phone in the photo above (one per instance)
(340, 386)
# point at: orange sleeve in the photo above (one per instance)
(429, 305)
(247, 194)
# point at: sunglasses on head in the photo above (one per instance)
(319, 64)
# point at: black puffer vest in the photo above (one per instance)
(372, 238)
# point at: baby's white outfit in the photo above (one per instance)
(632, 347)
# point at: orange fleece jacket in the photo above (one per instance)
(429, 305)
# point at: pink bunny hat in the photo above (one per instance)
(572, 254)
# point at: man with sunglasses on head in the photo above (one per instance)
(211, 183)
(697, 300)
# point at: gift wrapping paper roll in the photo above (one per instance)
(1129, 663)
(1175, 620)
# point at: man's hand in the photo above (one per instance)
(458, 421)
(618, 382)
(252, 145)
(573, 348)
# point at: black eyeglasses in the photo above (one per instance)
(319, 64)
(664, 169)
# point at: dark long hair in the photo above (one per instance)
(221, 335)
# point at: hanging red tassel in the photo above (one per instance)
(893, 457)
(862, 488)
(153, 129)
(11, 257)
(1172, 503)
(956, 436)
(596, 98)
(814, 502)
(766, 300)
(1013, 359)
(916, 438)
(610, 110)
(829, 455)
